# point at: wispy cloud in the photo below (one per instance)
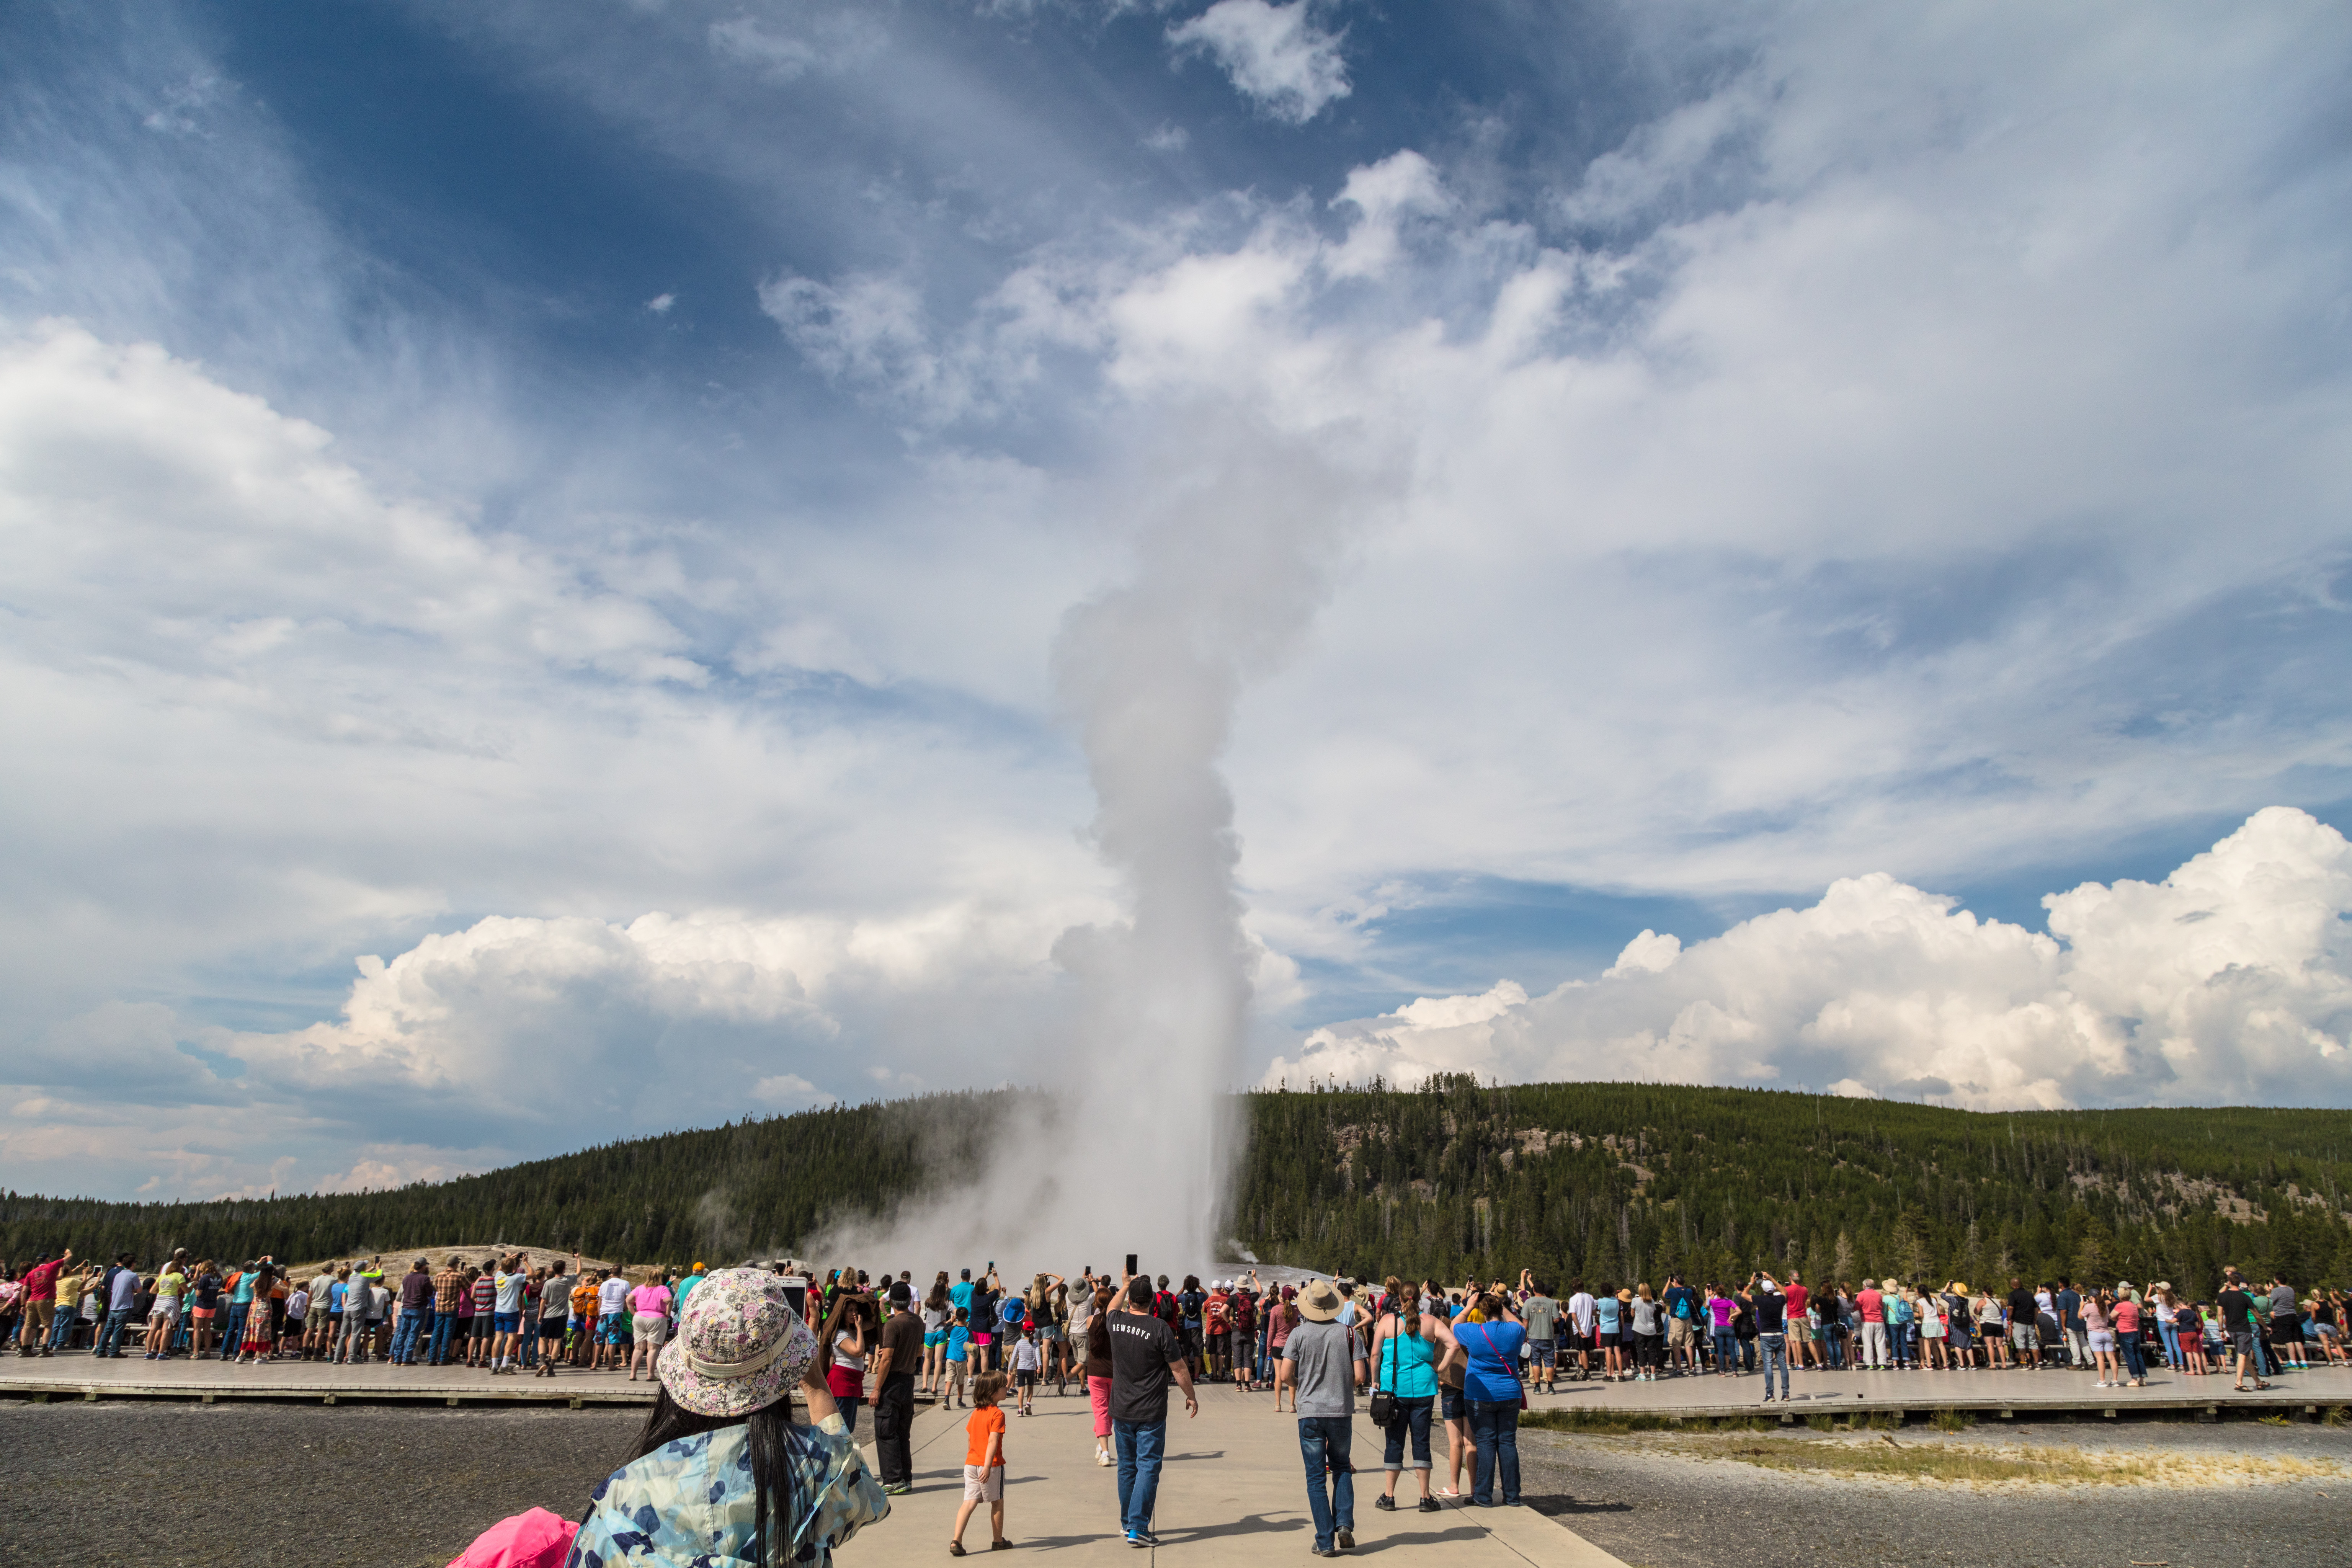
(1278, 57)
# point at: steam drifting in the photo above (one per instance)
(1239, 536)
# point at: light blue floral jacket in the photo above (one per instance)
(688, 1504)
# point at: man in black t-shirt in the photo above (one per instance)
(2024, 1338)
(2238, 1322)
(1771, 1308)
(898, 1360)
(1144, 1351)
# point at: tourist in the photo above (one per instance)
(2286, 1324)
(1722, 1310)
(1541, 1315)
(722, 1473)
(1144, 1351)
(2237, 1321)
(1407, 1349)
(554, 1314)
(648, 1322)
(1770, 1307)
(1610, 1316)
(1327, 1368)
(37, 1300)
(1281, 1320)
(1649, 1335)
(2128, 1316)
(985, 1295)
(259, 1331)
(939, 1311)
(843, 1336)
(1583, 1318)
(2099, 1338)
(983, 1464)
(959, 1355)
(1027, 1360)
(1490, 1382)
(121, 1302)
(1243, 1308)
(1099, 1371)
(1049, 1310)
(896, 1363)
(163, 1315)
(1934, 1349)
(611, 1313)
(1217, 1327)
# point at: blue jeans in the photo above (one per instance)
(1727, 1351)
(1776, 1354)
(404, 1335)
(110, 1338)
(1494, 1427)
(233, 1329)
(1140, 1445)
(1323, 1443)
(2134, 1363)
(61, 1331)
(445, 1324)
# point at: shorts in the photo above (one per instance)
(2243, 1341)
(983, 1341)
(1609, 1337)
(983, 1484)
(509, 1322)
(1799, 1331)
(1024, 1380)
(1450, 1405)
(550, 1327)
(937, 1337)
(650, 1328)
(1543, 1353)
(1678, 1331)
(202, 1314)
(1049, 1334)
(2101, 1340)
(479, 1326)
(608, 1328)
(316, 1318)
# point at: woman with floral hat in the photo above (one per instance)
(724, 1476)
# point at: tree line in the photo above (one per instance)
(1448, 1178)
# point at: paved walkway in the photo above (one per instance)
(1234, 1490)
(2041, 1392)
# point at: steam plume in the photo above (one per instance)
(1236, 551)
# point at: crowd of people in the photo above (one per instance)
(725, 1348)
(499, 1312)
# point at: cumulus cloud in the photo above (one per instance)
(2229, 982)
(1278, 57)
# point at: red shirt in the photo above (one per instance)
(1798, 1296)
(41, 1282)
(1873, 1305)
(2128, 1317)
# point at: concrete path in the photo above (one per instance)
(1234, 1490)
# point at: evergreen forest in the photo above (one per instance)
(1605, 1181)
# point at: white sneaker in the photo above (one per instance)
(1101, 1457)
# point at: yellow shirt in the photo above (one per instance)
(171, 1282)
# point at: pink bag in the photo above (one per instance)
(534, 1539)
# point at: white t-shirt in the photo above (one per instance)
(510, 1291)
(613, 1295)
(1025, 1356)
(1580, 1307)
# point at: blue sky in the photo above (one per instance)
(539, 531)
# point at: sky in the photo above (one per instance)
(539, 541)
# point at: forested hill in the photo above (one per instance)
(1625, 1181)
(1608, 1181)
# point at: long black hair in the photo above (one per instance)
(767, 1439)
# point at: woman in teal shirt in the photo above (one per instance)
(1408, 1348)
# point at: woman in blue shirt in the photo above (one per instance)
(1491, 1382)
(1608, 1327)
(1408, 1348)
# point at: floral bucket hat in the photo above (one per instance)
(740, 1345)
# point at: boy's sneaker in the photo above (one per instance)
(898, 1488)
(1429, 1505)
(1135, 1538)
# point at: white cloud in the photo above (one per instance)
(1168, 139)
(2229, 983)
(660, 304)
(832, 40)
(1278, 56)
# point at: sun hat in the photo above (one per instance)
(1320, 1302)
(740, 1345)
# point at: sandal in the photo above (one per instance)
(955, 1548)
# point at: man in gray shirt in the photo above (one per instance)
(1541, 1315)
(1327, 1368)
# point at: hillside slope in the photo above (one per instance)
(1602, 1180)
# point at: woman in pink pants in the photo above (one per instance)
(1098, 1373)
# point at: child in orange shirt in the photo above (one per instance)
(983, 1462)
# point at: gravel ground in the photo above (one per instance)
(1649, 1508)
(260, 1486)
